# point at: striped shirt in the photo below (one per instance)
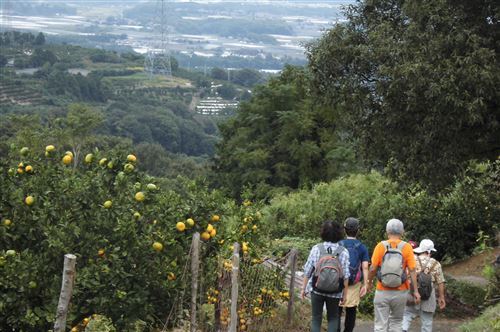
(313, 259)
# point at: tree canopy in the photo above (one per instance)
(280, 139)
(415, 83)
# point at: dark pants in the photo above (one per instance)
(332, 312)
(350, 318)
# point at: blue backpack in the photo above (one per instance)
(355, 273)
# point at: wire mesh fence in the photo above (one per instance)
(232, 292)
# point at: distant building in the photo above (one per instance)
(215, 106)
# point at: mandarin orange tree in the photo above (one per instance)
(121, 224)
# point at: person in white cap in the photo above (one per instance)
(428, 265)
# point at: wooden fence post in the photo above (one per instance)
(68, 280)
(234, 287)
(293, 265)
(195, 265)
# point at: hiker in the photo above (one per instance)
(433, 277)
(327, 285)
(390, 260)
(358, 273)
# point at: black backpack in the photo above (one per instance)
(424, 280)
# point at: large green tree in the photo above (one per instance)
(416, 83)
(280, 139)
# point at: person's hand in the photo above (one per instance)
(363, 290)
(416, 295)
(344, 297)
(442, 302)
(369, 286)
(303, 294)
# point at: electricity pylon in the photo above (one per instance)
(157, 61)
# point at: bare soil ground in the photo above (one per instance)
(439, 325)
(471, 269)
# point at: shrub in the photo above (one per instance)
(120, 274)
(371, 197)
(468, 209)
(466, 292)
(488, 321)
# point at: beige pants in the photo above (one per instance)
(389, 310)
(353, 298)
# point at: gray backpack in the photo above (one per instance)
(328, 276)
(391, 274)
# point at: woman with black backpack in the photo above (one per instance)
(326, 276)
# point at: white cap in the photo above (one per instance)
(426, 245)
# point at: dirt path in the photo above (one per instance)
(471, 269)
(439, 325)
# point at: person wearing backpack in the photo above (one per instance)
(326, 276)
(358, 273)
(390, 261)
(429, 275)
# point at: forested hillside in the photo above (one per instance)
(155, 114)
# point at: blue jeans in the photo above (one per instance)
(332, 312)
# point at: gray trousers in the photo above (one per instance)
(425, 318)
(389, 310)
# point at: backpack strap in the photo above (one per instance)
(401, 245)
(420, 263)
(338, 251)
(322, 249)
(386, 245)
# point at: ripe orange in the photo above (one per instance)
(190, 222)
(180, 226)
(205, 236)
(101, 252)
(171, 276)
(67, 159)
(139, 196)
(131, 158)
(29, 200)
(210, 228)
(215, 218)
(28, 169)
(213, 233)
(20, 171)
(7, 222)
(108, 204)
(69, 153)
(158, 246)
(49, 148)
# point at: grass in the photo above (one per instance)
(487, 322)
(143, 80)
